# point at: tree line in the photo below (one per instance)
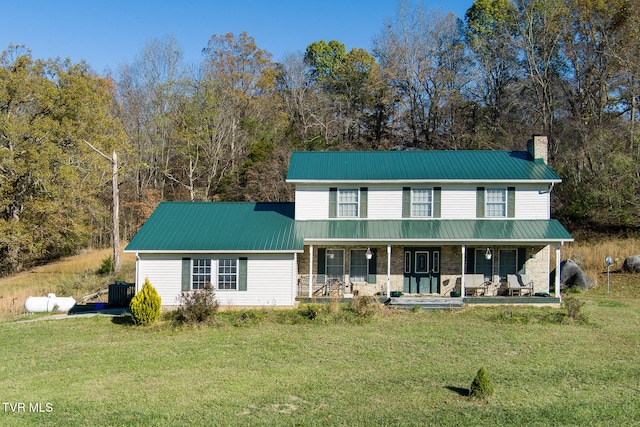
(224, 128)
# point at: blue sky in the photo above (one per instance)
(107, 34)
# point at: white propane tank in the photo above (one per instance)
(49, 303)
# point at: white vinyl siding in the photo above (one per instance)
(458, 201)
(271, 278)
(385, 202)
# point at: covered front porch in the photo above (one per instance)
(490, 270)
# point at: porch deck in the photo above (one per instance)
(449, 303)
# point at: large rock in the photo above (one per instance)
(631, 264)
(571, 275)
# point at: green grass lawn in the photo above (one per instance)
(406, 368)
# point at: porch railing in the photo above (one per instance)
(322, 285)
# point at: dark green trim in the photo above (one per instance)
(511, 202)
(480, 202)
(242, 273)
(373, 267)
(437, 202)
(186, 274)
(522, 259)
(364, 200)
(322, 264)
(406, 202)
(333, 202)
(471, 261)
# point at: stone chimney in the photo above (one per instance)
(537, 147)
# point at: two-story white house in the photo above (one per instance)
(366, 222)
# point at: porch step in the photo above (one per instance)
(426, 303)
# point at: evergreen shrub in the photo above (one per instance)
(482, 386)
(145, 305)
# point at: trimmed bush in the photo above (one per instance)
(482, 386)
(145, 305)
(366, 306)
(198, 306)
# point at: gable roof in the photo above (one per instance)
(218, 227)
(434, 165)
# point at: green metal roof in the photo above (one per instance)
(222, 227)
(435, 165)
(443, 231)
(270, 227)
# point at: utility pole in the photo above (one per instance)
(115, 207)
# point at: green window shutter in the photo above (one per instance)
(373, 267)
(186, 274)
(511, 202)
(522, 259)
(480, 202)
(364, 196)
(437, 197)
(322, 268)
(406, 202)
(242, 273)
(333, 202)
(471, 260)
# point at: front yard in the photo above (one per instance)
(402, 368)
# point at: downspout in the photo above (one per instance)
(137, 272)
(294, 277)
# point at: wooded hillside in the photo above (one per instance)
(224, 129)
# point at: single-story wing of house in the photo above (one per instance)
(435, 223)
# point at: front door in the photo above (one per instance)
(422, 270)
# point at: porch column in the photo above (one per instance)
(310, 271)
(557, 279)
(464, 251)
(388, 271)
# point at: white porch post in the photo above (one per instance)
(557, 279)
(388, 271)
(464, 251)
(310, 271)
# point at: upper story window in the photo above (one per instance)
(496, 203)
(421, 202)
(348, 203)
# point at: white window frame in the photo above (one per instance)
(220, 275)
(203, 274)
(492, 206)
(345, 207)
(418, 205)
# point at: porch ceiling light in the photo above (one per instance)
(369, 254)
(487, 254)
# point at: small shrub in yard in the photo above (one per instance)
(145, 305)
(574, 309)
(310, 311)
(482, 386)
(365, 306)
(198, 306)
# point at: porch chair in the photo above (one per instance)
(475, 284)
(519, 283)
